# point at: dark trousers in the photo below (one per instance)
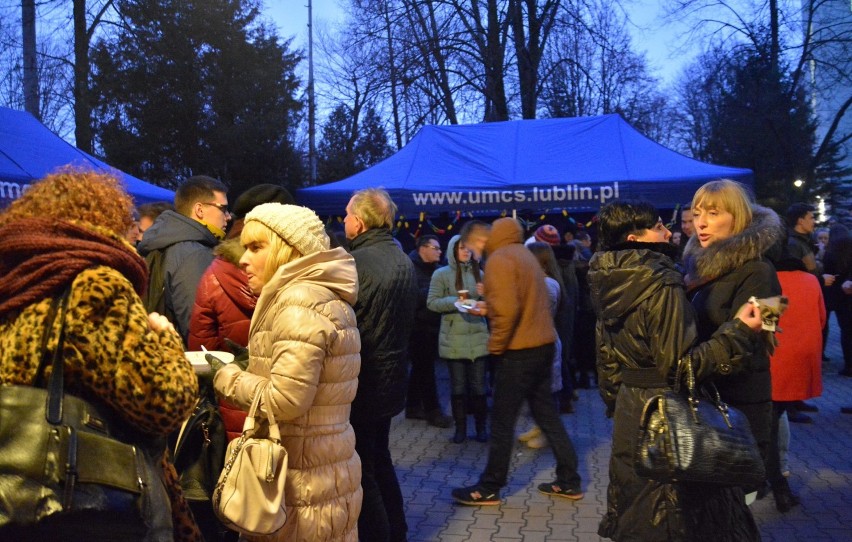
(844, 321)
(422, 387)
(773, 459)
(525, 375)
(382, 516)
(467, 376)
(763, 425)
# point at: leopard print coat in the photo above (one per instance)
(112, 356)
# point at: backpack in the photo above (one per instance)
(155, 296)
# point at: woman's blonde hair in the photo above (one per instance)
(729, 196)
(280, 253)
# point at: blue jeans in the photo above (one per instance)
(466, 375)
(382, 516)
(525, 375)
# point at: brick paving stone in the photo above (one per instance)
(506, 529)
(429, 466)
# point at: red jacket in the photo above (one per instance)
(796, 365)
(223, 308)
(223, 302)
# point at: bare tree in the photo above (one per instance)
(531, 27)
(812, 37)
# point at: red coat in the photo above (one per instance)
(797, 363)
(223, 307)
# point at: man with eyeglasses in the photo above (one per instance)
(422, 400)
(178, 248)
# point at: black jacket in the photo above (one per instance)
(722, 278)
(387, 298)
(426, 321)
(646, 321)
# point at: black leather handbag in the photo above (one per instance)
(200, 450)
(70, 470)
(687, 438)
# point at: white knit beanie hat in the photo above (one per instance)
(300, 227)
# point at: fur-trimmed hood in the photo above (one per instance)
(231, 250)
(703, 264)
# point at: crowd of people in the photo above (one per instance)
(345, 329)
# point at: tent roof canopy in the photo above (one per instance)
(29, 151)
(569, 163)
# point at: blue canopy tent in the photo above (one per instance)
(573, 164)
(29, 151)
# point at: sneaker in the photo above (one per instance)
(556, 490)
(537, 442)
(476, 496)
(531, 434)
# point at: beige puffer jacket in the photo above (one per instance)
(304, 340)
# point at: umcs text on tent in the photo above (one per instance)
(552, 194)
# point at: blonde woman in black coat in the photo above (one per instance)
(726, 266)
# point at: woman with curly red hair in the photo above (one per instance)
(66, 234)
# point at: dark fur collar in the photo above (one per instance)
(725, 256)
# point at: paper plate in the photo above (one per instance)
(200, 364)
(465, 307)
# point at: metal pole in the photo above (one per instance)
(312, 147)
(28, 31)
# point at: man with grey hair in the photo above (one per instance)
(387, 300)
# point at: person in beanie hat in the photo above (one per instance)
(304, 344)
(547, 234)
(260, 194)
(251, 198)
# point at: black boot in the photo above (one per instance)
(784, 498)
(460, 417)
(480, 416)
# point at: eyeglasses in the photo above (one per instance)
(433, 247)
(221, 206)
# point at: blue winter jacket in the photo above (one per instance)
(188, 246)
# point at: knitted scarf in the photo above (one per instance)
(39, 258)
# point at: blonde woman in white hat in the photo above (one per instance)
(304, 341)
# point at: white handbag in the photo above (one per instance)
(249, 497)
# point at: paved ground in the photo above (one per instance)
(429, 466)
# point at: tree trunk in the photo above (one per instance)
(394, 78)
(28, 31)
(82, 108)
(497, 108)
(774, 46)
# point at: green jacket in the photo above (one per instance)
(462, 336)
